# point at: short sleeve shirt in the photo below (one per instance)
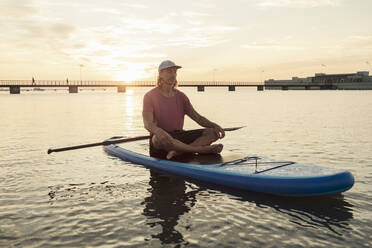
(169, 112)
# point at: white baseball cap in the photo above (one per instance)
(167, 64)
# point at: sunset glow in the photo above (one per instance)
(118, 40)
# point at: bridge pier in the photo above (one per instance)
(122, 89)
(200, 88)
(15, 89)
(72, 89)
(260, 88)
(284, 87)
(231, 87)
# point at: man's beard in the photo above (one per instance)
(170, 82)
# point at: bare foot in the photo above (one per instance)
(172, 154)
(216, 148)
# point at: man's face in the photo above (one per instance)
(169, 75)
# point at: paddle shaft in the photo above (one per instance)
(104, 143)
(107, 142)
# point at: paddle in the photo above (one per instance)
(108, 142)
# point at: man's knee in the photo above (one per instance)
(157, 144)
(210, 134)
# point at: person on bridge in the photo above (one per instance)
(164, 109)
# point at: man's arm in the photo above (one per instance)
(148, 121)
(204, 122)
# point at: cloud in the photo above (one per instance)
(270, 45)
(204, 4)
(61, 29)
(298, 3)
(195, 41)
(181, 33)
(135, 6)
(136, 25)
(15, 9)
(111, 11)
(202, 36)
(193, 14)
(110, 34)
(27, 33)
(360, 46)
(359, 41)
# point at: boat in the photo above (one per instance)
(252, 173)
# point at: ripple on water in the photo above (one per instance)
(76, 214)
(96, 200)
(255, 217)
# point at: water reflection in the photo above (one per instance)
(331, 212)
(167, 202)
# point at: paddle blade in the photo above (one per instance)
(233, 128)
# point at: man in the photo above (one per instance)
(164, 108)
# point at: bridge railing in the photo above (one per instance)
(118, 83)
(62, 82)
(218, 83)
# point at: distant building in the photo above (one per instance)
(350, 81)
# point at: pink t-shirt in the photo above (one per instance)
(169, 112)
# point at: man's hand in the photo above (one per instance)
(219, 131)
(163, 138)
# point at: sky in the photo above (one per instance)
(235, 40)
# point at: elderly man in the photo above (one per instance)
(164, 109)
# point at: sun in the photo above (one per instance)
(127, 75)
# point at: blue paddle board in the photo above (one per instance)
(248, 173)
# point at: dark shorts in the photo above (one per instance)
(186, 137)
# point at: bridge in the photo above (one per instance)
(73, 85)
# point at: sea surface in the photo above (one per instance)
(86, 198)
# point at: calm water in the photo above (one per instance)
(86, 198)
